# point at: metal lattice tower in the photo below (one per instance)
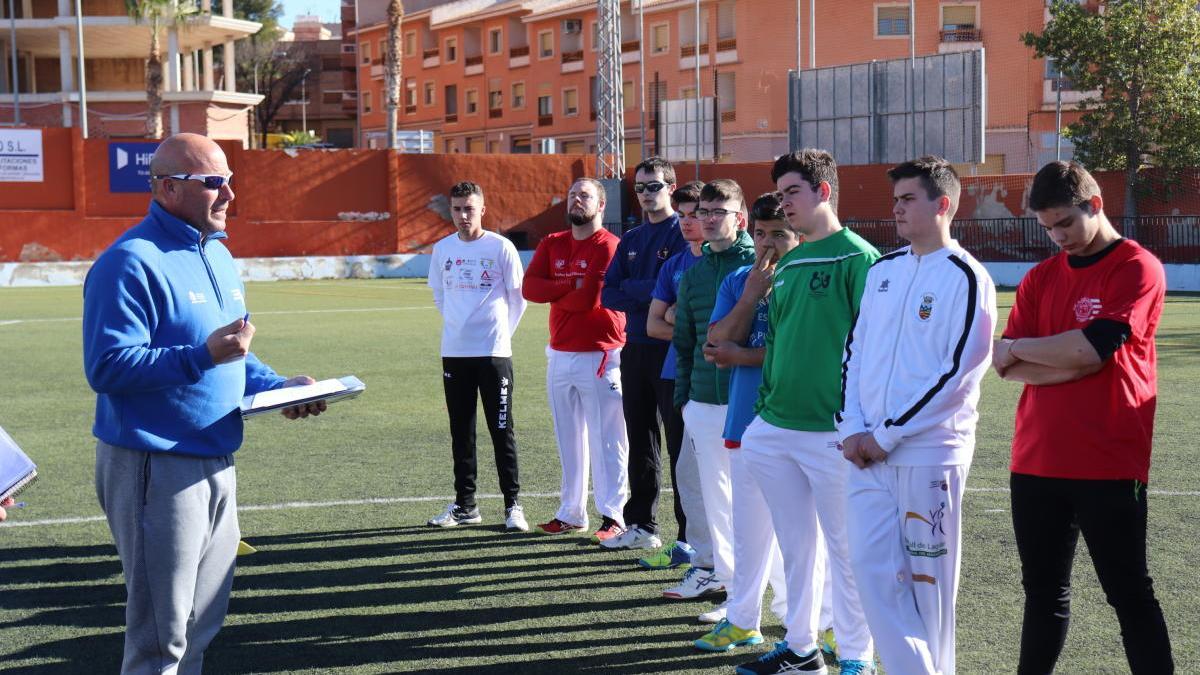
(610, 113)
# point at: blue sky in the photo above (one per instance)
(328, 10)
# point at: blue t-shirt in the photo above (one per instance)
(666, 289)
(745, 380)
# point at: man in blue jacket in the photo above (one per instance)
(166, 347)
(628, 284)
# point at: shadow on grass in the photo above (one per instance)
(472, 600)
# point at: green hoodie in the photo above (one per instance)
(695, 378)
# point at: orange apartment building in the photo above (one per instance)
(510, 76)
(197, 97)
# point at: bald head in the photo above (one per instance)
(191, 200)
(188, 153)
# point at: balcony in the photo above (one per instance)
(688, 57)
(495, 113)
(690, 50)
(410, 110)
(518, 56)
(431, 58)
(451, 118)
(727, 51)
(631, 52)
(631, 46)
(572, 62)
(376, 71)
(961, 35)
(545, 120)
(474, 65)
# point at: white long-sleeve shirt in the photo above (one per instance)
(913, 361)
(477, 288)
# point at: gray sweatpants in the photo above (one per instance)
(174, 521)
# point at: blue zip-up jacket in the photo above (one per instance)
(150, 302)
(633, 272)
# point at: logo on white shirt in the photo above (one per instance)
(237, 295)
(196, 298)
(926, 309)
(883, 286)
(1087, 309)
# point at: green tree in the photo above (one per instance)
(266, 12)
(1140, 59)
(158, 14)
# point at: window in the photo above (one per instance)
(366, 102)
(570, 102)
(472, 101)
(410, 92)
(726, 21)
(475, 145)
(1058, 79)
(572, 147)
(629, 94)
(687, 26)
(382, 58)
(451, 50)
(451, 99)
(727, 94)
(495, 41)
(958, 16)
(688, 91)
(545, 106)
(495, 100)
(660, 38)
(410, 43)
(366, 53)
(545, 44)
(595, 35)
(891, 21)
(430, 92)
(518, 95)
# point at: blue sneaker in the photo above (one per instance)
(678, 554)
(783, 660)
(852, 667)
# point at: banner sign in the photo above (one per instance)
(21, 158)
(129, 166)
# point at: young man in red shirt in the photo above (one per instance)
(583, 374)
(1081, 338)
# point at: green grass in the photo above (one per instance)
(366, 588)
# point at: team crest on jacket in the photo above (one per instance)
(1087, 309)
(926, 309)
(664, 253)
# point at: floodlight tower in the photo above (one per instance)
(610, 113)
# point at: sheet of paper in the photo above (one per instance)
(275, 397)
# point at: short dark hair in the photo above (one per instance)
(593, 182)
(1062, 184)
(814, 166)
(652, 164)
(724, 190)
(688, 193)
(465, 189)
(937, 176)
(768, 206)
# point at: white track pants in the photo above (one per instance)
(756, 557)
(803, 478)
(906, 548)
(589, 426)
(706, 425)
(687, 483)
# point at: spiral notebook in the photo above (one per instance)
(326, 390)
(16, 469)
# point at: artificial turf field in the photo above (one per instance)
(348, 579)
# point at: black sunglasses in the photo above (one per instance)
(211, 181)
(651, 187)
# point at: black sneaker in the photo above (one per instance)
(455, 515)
(784, 660)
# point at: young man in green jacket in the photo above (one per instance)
(701, 388)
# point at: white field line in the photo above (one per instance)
(282, 506)
(278, 311)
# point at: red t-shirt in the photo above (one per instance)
(1099, 427)
(578, 323)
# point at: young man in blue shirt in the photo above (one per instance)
(628, 284)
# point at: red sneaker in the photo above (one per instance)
(607, 531)
(557, 526)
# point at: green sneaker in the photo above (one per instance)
(828, 644)
(725, 636)
(678, 554)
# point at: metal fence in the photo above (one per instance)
(1174, 239)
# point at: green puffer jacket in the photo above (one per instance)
(695, 378)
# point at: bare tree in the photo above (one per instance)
(395, 17)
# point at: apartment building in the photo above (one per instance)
(517, 76)
(198, 96)
(317, 106)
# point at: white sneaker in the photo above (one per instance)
(455, 515)
(634, 537)
(716, 614)
(696, 583)
(514, 519)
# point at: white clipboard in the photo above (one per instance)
(338, 389)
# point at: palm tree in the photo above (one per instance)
(395, 15)
(158, 13)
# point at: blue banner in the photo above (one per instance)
(129, 166)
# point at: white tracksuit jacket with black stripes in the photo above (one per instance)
(914, 357)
